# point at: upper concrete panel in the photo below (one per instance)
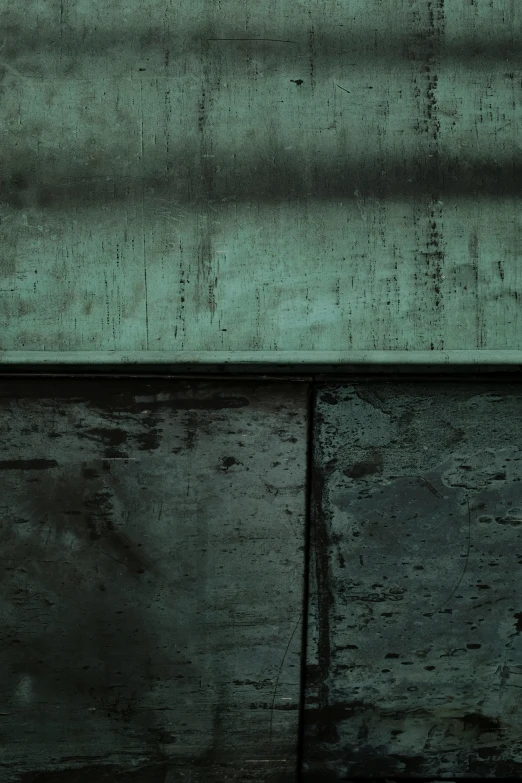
(286, 176)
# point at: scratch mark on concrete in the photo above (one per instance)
(274, 40)
(465, 563)
(429, 486)
(279, 675)
(109, 556)
(12, 70)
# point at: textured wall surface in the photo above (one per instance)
(300, 176)
(152, 539)
(414, 659)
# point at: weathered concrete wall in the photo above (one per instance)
(321, 175)
(414, 665)
(153, 537)
(152, 580)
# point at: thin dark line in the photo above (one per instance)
(274, 40)
(109, 556)
(278, 676)
(306, 579)
(465, 563)
(435, 375)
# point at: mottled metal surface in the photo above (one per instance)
(291, 175)
(152, 579)
(415, 637)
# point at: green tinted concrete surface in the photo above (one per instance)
(230, 177)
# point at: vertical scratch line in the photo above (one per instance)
(143, 225)
(279, 675)
(141, 113)
(145, 278)
(465, 562)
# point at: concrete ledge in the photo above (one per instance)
(264, 358)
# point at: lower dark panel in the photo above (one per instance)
(152, 579)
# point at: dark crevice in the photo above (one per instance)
(306, 576)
